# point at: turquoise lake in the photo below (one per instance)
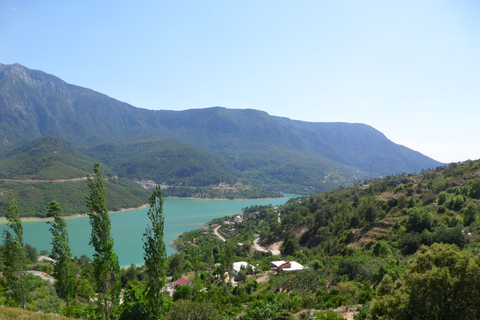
(181, 215)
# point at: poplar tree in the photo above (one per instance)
(62, 270)
(14, 255)
(105, 260)
(155, 256)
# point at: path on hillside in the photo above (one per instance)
(215, 231)
(44, 180)
(42, 275)
(256, 246)
(274, 248)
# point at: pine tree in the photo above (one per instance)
(105, 260)
(63, 271)
(155, 256)
(14, 256)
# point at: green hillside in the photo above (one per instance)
(440, 205)
(47, 158)
(168, 161)
(401, 247)
(50, 169)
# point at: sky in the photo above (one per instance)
(410, 69)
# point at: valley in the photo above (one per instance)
(367, 215)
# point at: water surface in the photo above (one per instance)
(181, 215)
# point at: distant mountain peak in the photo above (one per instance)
(34, 78)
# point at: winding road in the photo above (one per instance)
(215, 231)
(256, 246)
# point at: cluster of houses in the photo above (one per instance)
(277, 266)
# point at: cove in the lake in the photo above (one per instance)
(181, 215)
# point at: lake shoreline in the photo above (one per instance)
(82, 215)
(72, 216)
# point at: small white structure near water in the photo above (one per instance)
(238, 219)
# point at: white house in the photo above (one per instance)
(238, 219)
(237, 266)
(288, 266)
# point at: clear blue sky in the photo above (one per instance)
(410, 69)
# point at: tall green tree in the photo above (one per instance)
(14, 256)
(105, 260)
(155, 256)
(63, 269)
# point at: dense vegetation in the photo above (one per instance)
(49, 169)
(167, 161)
(34, 197)
(47, 158)
(403, 247)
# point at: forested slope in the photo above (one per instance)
(49, 169)
(400, 247)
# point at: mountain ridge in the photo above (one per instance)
(34, 104)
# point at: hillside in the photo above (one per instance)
(46, 158)
(386, 248)
(170, 161)
(374, 249)
(285, 154)
(440, 205)
(48, 169)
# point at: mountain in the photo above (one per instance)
(51, 169)
(267, 150)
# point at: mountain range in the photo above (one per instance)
(196, 147)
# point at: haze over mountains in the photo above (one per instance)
(196, 147)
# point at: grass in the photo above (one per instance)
(7, 313)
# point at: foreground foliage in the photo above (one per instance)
(105, 260)
(9, 313)
(441, 283)
(401, 247)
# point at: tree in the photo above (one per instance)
(194, 258)
(470, 212)
(63, 269)
(133, 306)
(106, 267)
(175, 265)
(441, 282)
(262, 309)
(193, 310)
(31, 253)
(155, 256)
(14, 256)
(290, 244)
